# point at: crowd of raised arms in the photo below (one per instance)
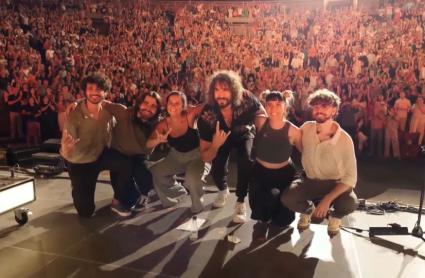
(374, 61)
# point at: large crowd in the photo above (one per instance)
(374, 61)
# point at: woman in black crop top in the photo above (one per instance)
(178, 130)
(273, 170)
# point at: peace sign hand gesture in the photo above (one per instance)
(219, 137)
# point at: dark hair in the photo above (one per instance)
(286, 96)
(181, 95)
(152, 94)
(274, 96)
(324, 96)
(100, 80)
(230, 79)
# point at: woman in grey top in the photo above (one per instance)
(273, 169)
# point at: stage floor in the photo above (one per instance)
(56, 243)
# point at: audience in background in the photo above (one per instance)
(372, 60)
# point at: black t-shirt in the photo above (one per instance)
(3, 83)
(242, 122)
(48, 112)
(346, 115)
(14, 107)
(32, 110)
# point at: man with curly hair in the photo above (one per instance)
(85, 146)
(330, 167)
(226, 123)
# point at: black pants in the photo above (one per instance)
(220, 166)
(265, 191)
(140, 181)
(142, 176)
(351, 130)
(84, 178)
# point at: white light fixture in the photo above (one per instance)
(16, 194)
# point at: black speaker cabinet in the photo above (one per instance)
(20, 154)
(48, 164)
(51, 146)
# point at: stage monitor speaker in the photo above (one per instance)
(21, 155)
(51, 146)
(48, 164)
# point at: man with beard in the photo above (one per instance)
(226, 123)
(134, 126)
(85, 146)
(330, 167)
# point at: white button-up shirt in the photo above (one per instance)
(332, 159)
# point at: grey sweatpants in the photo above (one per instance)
(166, 186)
(300, 195)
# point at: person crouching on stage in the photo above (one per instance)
(273, 170)
(184, 157)
(329, 162)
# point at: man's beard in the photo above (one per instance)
(145, 125)
(144, 115)
(95, 99)
(222, 104)
(322, 120)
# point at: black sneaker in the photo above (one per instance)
(120, 210)
(141, 204)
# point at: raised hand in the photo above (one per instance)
(68, 142)
(162, 138)
(71, 107)
(219, 137)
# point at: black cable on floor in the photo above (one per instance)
(358, 230)
(381, 208)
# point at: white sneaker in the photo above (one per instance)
(240, 213)
(334, 225)
(221, 199)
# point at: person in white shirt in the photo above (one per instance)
(402, 107)
(329, 162)
(417, 122)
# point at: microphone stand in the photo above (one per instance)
(417, 230)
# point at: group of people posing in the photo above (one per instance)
(100, 135)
